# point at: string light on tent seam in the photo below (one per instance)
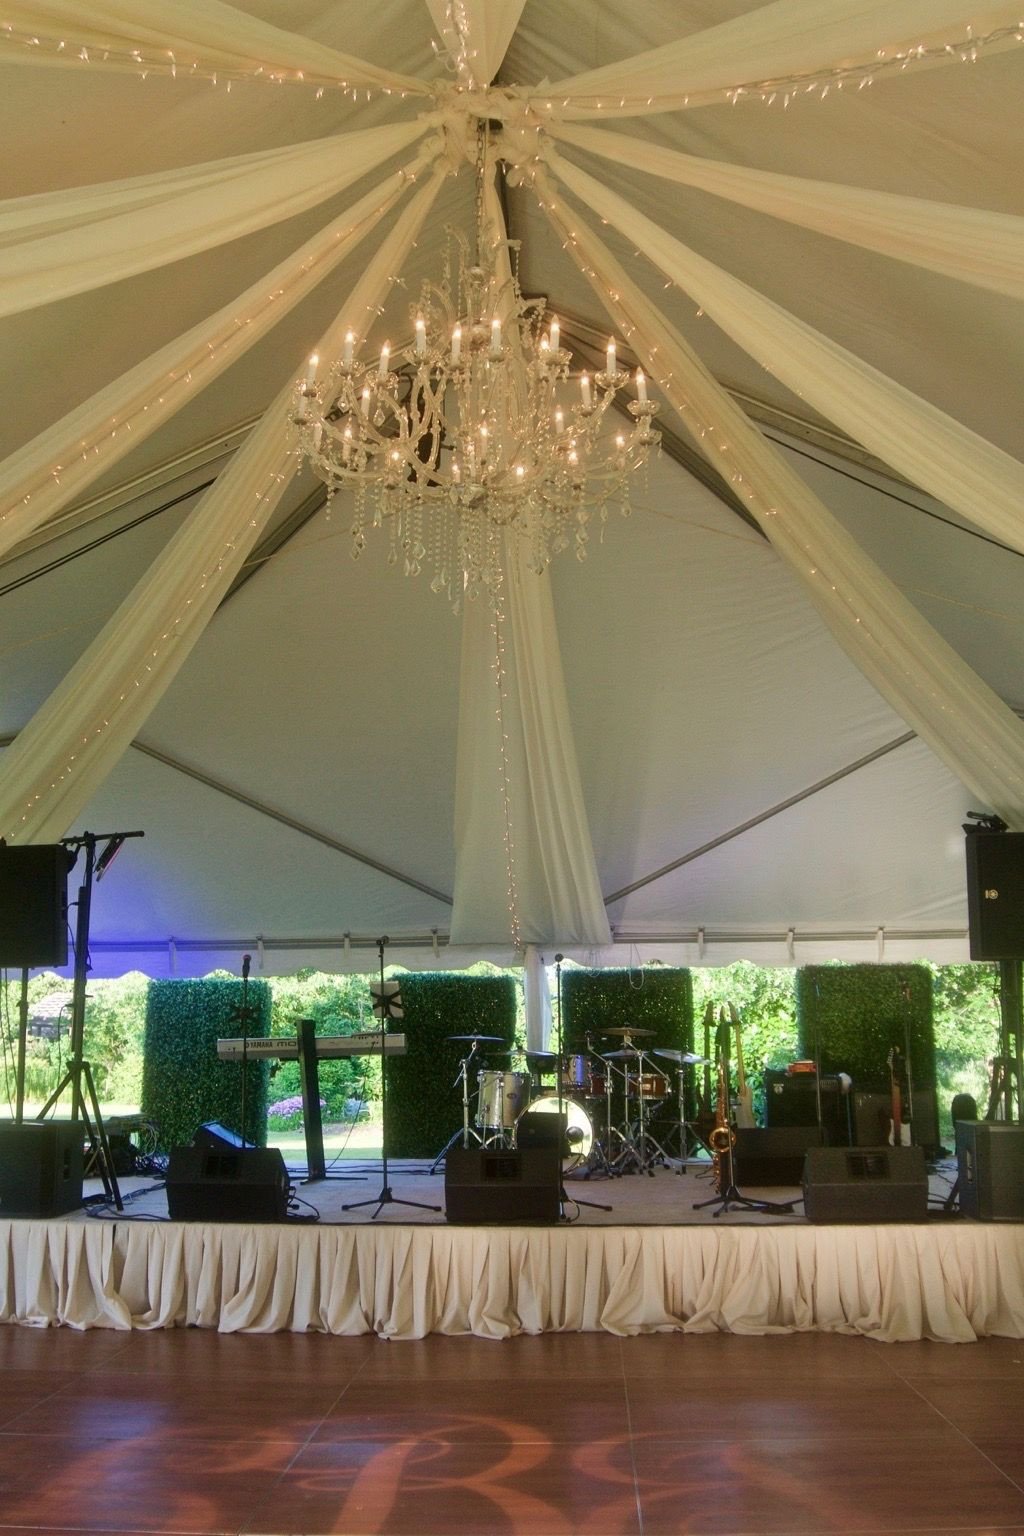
(473, 431)
(167, 63)
(208, 353)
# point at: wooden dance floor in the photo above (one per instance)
(191, 1431)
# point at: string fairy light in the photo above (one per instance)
(260, 308)
(166, 62)
(819, 83)
(505, 773)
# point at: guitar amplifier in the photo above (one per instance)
(791, 1099)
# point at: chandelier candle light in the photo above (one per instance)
(475, 430)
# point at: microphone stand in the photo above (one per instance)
(386, 1008)
(563, 1198)
(243, 1014)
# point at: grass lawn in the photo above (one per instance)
(359, 1141)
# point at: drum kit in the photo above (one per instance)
(614, 1101)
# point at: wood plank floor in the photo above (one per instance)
(197, 1432)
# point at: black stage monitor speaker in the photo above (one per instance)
(491, 1185)
(34, 905)
(995, 895)
(990, 1164)
(217, 1136)
(773, 1157)
(218, 1184)
(865, 1184)
(40, 1167)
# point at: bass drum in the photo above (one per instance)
(579, 1129)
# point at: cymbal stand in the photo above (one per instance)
(638, 1137)
(600, 1160)
(689, 1140)
(647, 1135)
(467, 1130)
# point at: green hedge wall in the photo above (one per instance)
(660, 998)
(859, 1012)
(184, 1082)
(423, 1109)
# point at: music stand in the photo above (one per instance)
(387, 1004)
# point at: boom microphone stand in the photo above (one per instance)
(388, 1005)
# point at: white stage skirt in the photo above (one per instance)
(954, 1282)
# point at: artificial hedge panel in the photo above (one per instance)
(660, 999)
(423, 1108)
(184, 1082)
(856, 1014)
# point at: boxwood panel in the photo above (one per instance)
(858, 1013)
(660, 999)
(184, 1083)
(423, 1108)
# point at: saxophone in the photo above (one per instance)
(722, 1138)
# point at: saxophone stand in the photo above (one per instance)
(563, 1198)
(722, 1140)
(387, 1005)
(729, 1197)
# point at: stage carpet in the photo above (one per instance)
(653, 1263)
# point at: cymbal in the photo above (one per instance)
(684, 1058)
(627, 1052)
(627, 1029)
(479, 1039)
(542, 1055)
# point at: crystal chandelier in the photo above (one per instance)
(475, 430)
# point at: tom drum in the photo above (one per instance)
(502, 1098)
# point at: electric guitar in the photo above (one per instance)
(744, 1093)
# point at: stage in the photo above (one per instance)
(651, 1264)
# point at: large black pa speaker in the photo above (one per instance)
(227, 1184)
(484, 1184)
(40, 1167)
(773, 1157)
(990, 1164)
(865, 1184)
(995, 895)
(34, 905)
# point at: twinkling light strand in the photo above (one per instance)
(61, 50)
(786, 89)
(505, 772)
(93, 446)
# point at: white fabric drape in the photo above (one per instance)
(974, 733)
(67, 242)
(66, 751)
(489, 28)
(524, 855)
(948, 460)
(59, 464)
(971, 244)
(790, 38)
(953, 1283)
(203, 36)
(537, 998)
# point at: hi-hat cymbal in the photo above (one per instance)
(627, 1029)
(684, 1058)
(627, 1052)
(480, 1039)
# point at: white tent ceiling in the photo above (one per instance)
(748, 791)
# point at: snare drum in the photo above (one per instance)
(502, 1098)
(651, 1084)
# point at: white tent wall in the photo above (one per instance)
(296, 782)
